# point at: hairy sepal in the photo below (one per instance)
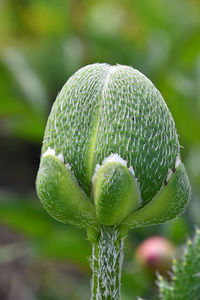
(114, 193)
(169, 203)
(61, 195)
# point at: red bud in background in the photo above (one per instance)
(155, 254)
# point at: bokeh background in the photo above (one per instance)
(42, 43)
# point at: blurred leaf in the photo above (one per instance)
(27, 126)
(134, 284)
(27, 79)
(113, 15)
(176, 230)
(49, 238)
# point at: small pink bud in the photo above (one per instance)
(155, 254)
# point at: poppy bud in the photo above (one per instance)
(110, 153)
(155, 254)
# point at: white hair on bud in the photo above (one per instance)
(68, 167)
(114, 157)
(53, 153)
(49, 152)
(132, 171)
(169, 174)
(178, 161)
(95, 171)
(60, 157)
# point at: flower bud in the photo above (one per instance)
(108, 111)
(155, 254)
(114, 191)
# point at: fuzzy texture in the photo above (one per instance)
(105, 116)
(110, 156)
(61, 195)
(114, 192)
(169, 202)
(106, 263)
(105, 109)
(185, 278)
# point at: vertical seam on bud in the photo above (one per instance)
(110, 71)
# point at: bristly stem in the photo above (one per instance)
(106, 263)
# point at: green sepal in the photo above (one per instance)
(114, 193)
(169, 203)
(61, 195)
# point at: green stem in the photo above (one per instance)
(107, 257)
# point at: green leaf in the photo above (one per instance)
(115, 192)
(48, 238)
(169, 203)
(61, 195)
(185, 281)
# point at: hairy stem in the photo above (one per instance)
(106, 263)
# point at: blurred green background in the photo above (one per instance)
(42, 43)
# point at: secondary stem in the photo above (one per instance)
(107, 257)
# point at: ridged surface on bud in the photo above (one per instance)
(106, 110)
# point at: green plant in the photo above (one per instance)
(111, 162)
(185, 279)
